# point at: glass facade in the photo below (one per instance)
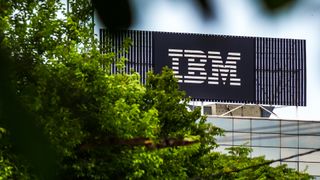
(274, 139)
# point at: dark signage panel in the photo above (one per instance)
(220, 68)
(208, 66)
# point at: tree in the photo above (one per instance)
(103, 125)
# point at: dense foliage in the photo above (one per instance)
(103, 125)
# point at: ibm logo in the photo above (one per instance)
(197, 61)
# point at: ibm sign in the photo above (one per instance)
(221, 68)
(208, 67)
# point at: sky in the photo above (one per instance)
(244, 18)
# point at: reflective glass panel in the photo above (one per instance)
(312, 157)
(269, 153)
(312, 168)
(242, 125)
(289, 127)
(265, 140)
(225, 140)
(309, 141)
(225, 124)
(265, 126)
(241, 139)
(312, 128)
(287, 152)
(289, 141)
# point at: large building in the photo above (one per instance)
(276, 139)
(286, 141)
(255, 72)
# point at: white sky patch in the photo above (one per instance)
(166, 13)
